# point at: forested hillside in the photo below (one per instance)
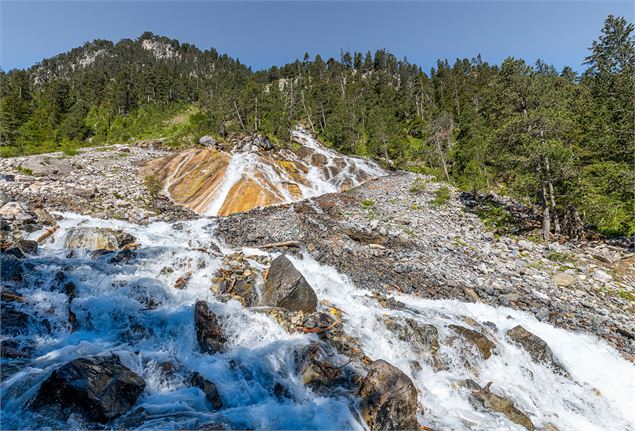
(558, 139)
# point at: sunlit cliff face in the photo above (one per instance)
(213, 182)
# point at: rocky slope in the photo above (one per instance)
(387, 306)
(247, 172)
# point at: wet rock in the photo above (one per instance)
(94, 238)
(324, 370)
(209, 389)
(483, 398)
(99, 388)
(11, 269)
(480, 341)
(286, 287)
(236, 280)
(181, 282)
(23, 247)
(10, 295)
(43, 216)
(209, 333)
(147, 291)
(15, 349)
(423, 338)
(14, 321)
(537, 348)
(388, 399)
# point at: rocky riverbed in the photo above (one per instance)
(387, 306)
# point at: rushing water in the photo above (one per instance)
(114, 317)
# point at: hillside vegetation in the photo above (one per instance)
(557, 139)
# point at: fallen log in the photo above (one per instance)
(280, 244)
(48, 233)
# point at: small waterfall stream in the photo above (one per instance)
(113, 315)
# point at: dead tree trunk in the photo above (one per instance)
(238, 115)
(442, 157)
(306, 111)
(556, 221)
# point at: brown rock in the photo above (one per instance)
(480, 341)
(208, 331)
(388, 399)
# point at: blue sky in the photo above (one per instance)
(262, 33)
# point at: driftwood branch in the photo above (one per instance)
(48, 233)
(280, 244)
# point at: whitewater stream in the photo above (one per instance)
(113, 316)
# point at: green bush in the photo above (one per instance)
(441, 196)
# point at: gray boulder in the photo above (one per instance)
(388, 399)
(99, 388)
(45, 166)
(207, 141)
(95, 238)
(286, 287)
(209, 389)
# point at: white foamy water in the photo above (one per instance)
(114, 318)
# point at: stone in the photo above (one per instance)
(207, 141)
(46, 166)
(209, 333)
(22, 247)
(99, 388)
(16, 211)
(94, 238)
(388, 399)
(484, 345)
(563, 279)
(537, 348)
(286, 287)
(492, 402)
(209, 389)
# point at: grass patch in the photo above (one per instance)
(23, 170)
(418, 185)
(367, 203)
(557, 256)
(441, 197)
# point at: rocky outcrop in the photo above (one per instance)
(209, 333)
(245, 171)
(286, 287)
(537, 348)
(388, 399)
(99, 388)
(209, 389)
(11, 268)
(483, 398)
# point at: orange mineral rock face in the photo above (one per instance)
(218, 183)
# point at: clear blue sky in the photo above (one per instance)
(262, 33)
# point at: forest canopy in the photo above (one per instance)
(558, 139)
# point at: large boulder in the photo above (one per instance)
(209, 333)
(45, 166)
(95, 238)
(99, 388)
(286, 287)
(537, 348)
(388, 398)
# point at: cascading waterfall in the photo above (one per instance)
(113, 315)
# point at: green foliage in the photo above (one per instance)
(418, 185)
(23, 170)
(561, 257)
(367, 203)
(495, 217)
(441, 197)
